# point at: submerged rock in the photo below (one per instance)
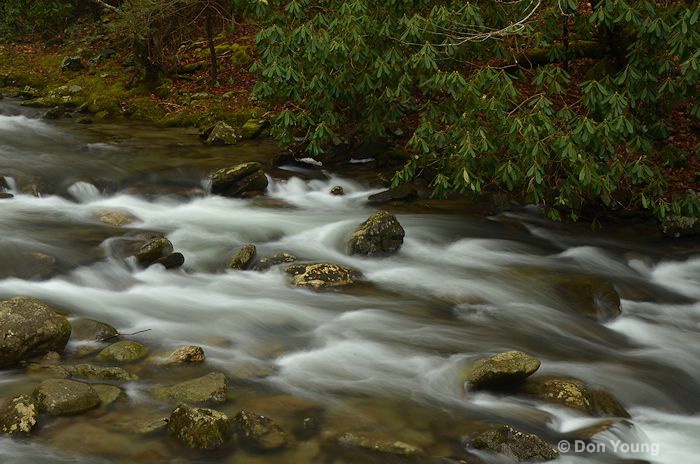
(29, 265)
(222, 134)
(200, 428)
(19, 415)
(123, 352)
(381, 234)
(280, 258)
(186, 355)
(92, 372)
(62, 397)
(243, 257)
(211, 387)
(85, 329)
(387, 449)
(116, 217)
(502, 370)
(575, 394)
(322, 275)
(259, 432)
(28, 328)
(238, 180)
(516, 445)
(108, 394)
(590, 296)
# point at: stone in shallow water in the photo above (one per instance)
(116, 217)
(28, 328)
(92, 372)
(259, 432)
(211, 387)
(380, 235)
(322, 275)
(123, 352)
(516, 445)
(61, 397)
(366, 443)
(280, 258)
(186, 355)
(502, 370)
(108, 393)
(238, 180)
(200, 428)
(89, 329)
(19, 415)
(154, 249)
(243, 257)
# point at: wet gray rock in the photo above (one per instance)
(6, 196)
(259, 432)
(280, 258)
(376, 447)
(93, 372)
(405, 192)
(380, 235)
(322, 275)
(516, 445)
(123, 352)
(29, 265)
(85, 329)
(239, 180)
(29, 328)
(153, 250)
(337, 191)
(172, 261)
(212, 387)
(186, 355)
(575, 394)
(589, 296)
(243, 257)
(502, 370)
(62, 397)
(200, 428)
(108, 394)
(19, 415)
(57, 112)
(223, 134)
(71, 63)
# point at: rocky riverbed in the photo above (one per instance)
(165, 301)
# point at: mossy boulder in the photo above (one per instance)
(108, 393)
(243, 257)
(575, 394)
(501, 370)
(381, 234)
(322, 275)
(191, 354)
(222, 134)
(85, 329)
(19, 415)
(123, 352)
(200, 428)
(254, 128)
(259, 432)
(62, 397)
(275, 260)
(681, 226)
(29, 328)
(92, 372)
(516, 445)
(238, 180)
(154, 249)
(212, 387)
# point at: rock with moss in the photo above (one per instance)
(501, 370)
(222, 134)
(47, 371)
(63, 397)
(681, 226)
(85, 329)
(243, 257)
(259, 432)
(322, 275)
(380, 235)
(238, 180)
(275, 260)
(93, 372)
(71, 63)
(191, 354)
(123, 352)
(575, 394)
(254, 128)
(212, 387)
(153, 250)
(28, 327)
(19, 415)
(375, 447)
(116, 217)
(108, 394)
(337, 191)
(514, 444)
(29, 265)
(171, 261)
(56, 112)
(405, 192)
(200, 428)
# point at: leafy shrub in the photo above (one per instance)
(47, 17)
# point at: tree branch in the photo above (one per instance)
(107, 6)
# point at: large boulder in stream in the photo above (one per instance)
(62, 397)
(239, 180)
(19, 415)
(575, 394)
(502, 370)
(322, 275)
(259, 432)
(380, 235)
(212, 387)
(516, 445)
(200, 428)
(29, 328)
(222, 134)
(153, 250)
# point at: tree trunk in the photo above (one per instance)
(212, 48)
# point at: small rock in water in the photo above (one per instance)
(186, 355)
(380, 235)
(338, 191)
(62, 397)
(502, 370)
(108, 393)
(514, 444)
(222, 134)
(6, 196)
(92, 372)
(211, 387)
(387, 448)
(19, 415)
(322, 275)
(28, 328)
(172, 261)
(281, 258)
(91, 330)
(237, 180)
(243, 257)
(116, 217)
(200, 428)
(56, 112)
(153, 250)
(259, 432)
(405, 192)
(123, 352)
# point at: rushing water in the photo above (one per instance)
(383, 358)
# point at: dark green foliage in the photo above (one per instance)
(47, 17)
(351, 69)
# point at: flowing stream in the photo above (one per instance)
(384, 358)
